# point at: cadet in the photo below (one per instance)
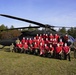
(12, 47)
(36, 49)
(61, 43)
(37, 36)
(51, 36)
(51, 50)
(30, 41)
(46, 50)
(31, 49)
(17, 41)
(74, 48)
(66, 50)
(25, 48)
(19, 47)
(57, 37)
(23, 40)
(66, 38)
(58, 51)
(42, 52)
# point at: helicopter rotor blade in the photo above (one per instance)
(33, 22)
(20, 28)
(58, 26)
(25, 20)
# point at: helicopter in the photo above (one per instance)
(48, 29)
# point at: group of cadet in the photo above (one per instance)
(45, 45)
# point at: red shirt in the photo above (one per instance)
(57, 37)
(44, 36)
(31, 48)
(34, 40)
(27, 41)
(19, 45)
(51, 41)
(61, 43)
(43, 42)
(51, 48)
(65, 38)
(25, 46)
(66, 49)
(47, 42)
(16, 45)
(38, 43)
(37, 37)
(41, 48)
(23, 41)
(41, 36)
(35, 45)
(55, 42)
(58, 49)
(51, 37)
(30, 41)
(46, 48)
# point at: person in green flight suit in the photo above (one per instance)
(74, 45)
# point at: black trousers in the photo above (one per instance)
(74, 53)
(58, 56)
(67, 56)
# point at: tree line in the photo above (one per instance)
(71, 31)
(8, 34)
(15, 33)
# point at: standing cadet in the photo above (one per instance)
(66, 38)
(66, 50)
(58, 51)
(74, 45)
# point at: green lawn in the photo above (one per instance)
(25, 64)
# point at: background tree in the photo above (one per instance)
(2, 27)
(62, 30)
(72, 32)
(10, 34)
(11, 27)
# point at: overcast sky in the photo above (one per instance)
(53, 12)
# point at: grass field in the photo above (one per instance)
(25, 64)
